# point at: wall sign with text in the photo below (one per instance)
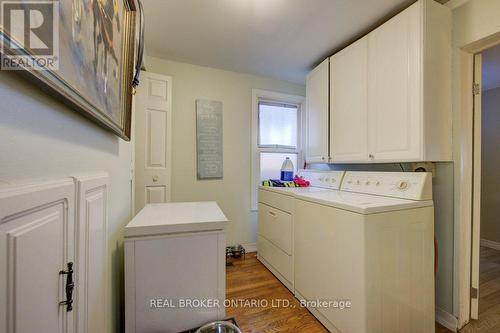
(209, 146)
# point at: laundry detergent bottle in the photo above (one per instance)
(287, 170)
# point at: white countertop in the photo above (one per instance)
(176, 217)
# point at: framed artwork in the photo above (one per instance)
(92, 48)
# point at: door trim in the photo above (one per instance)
(476, 188)
(465, 170)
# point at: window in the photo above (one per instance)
(276, 135)
(278, 125)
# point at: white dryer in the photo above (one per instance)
(364, 256)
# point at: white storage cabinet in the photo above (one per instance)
(174, 252)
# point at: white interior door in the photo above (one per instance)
(153, 114)
(36, 242)
(476, 197)
(92, 258)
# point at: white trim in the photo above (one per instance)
(447, 320)
(463, 202)
(490, 244)
(275, 96)
(250, 247)
(464, 168)
(476, 187)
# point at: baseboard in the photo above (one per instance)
(490, 244)
(447, 320)
(250, 247)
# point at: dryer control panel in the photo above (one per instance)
(405, 185)
(323, 179)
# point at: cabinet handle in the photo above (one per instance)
(70, 286)
(156, 178)
(273, 214)
(371, 156)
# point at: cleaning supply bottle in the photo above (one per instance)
(287, 170)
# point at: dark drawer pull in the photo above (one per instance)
(70, 286)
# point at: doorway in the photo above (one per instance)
(485, 277)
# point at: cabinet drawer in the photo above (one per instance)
(278, 259)
(276, 200)
(276, 226)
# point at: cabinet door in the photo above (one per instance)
(36, 242)
(317, 114)
(348, 103)
(394, 77)
(92, 278)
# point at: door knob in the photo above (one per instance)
(155, 178)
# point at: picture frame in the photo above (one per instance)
(95, 45)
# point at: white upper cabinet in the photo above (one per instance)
(409, 86)
(395, 88)
(390, 92)
(348, 103)
(317, 114)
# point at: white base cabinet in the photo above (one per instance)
(37, 241)
(174, 253)
(44, 227)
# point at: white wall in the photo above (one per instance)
(234, 90)
(41, 138)
(490, 165)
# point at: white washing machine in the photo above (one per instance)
(275, 221)
(364, 255)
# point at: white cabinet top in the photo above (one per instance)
(176, 217)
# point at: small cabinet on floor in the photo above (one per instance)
(174, 251)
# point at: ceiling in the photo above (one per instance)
(491, 68)
(283, 39)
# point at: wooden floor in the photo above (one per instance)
(489, 294)
(249, 280)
